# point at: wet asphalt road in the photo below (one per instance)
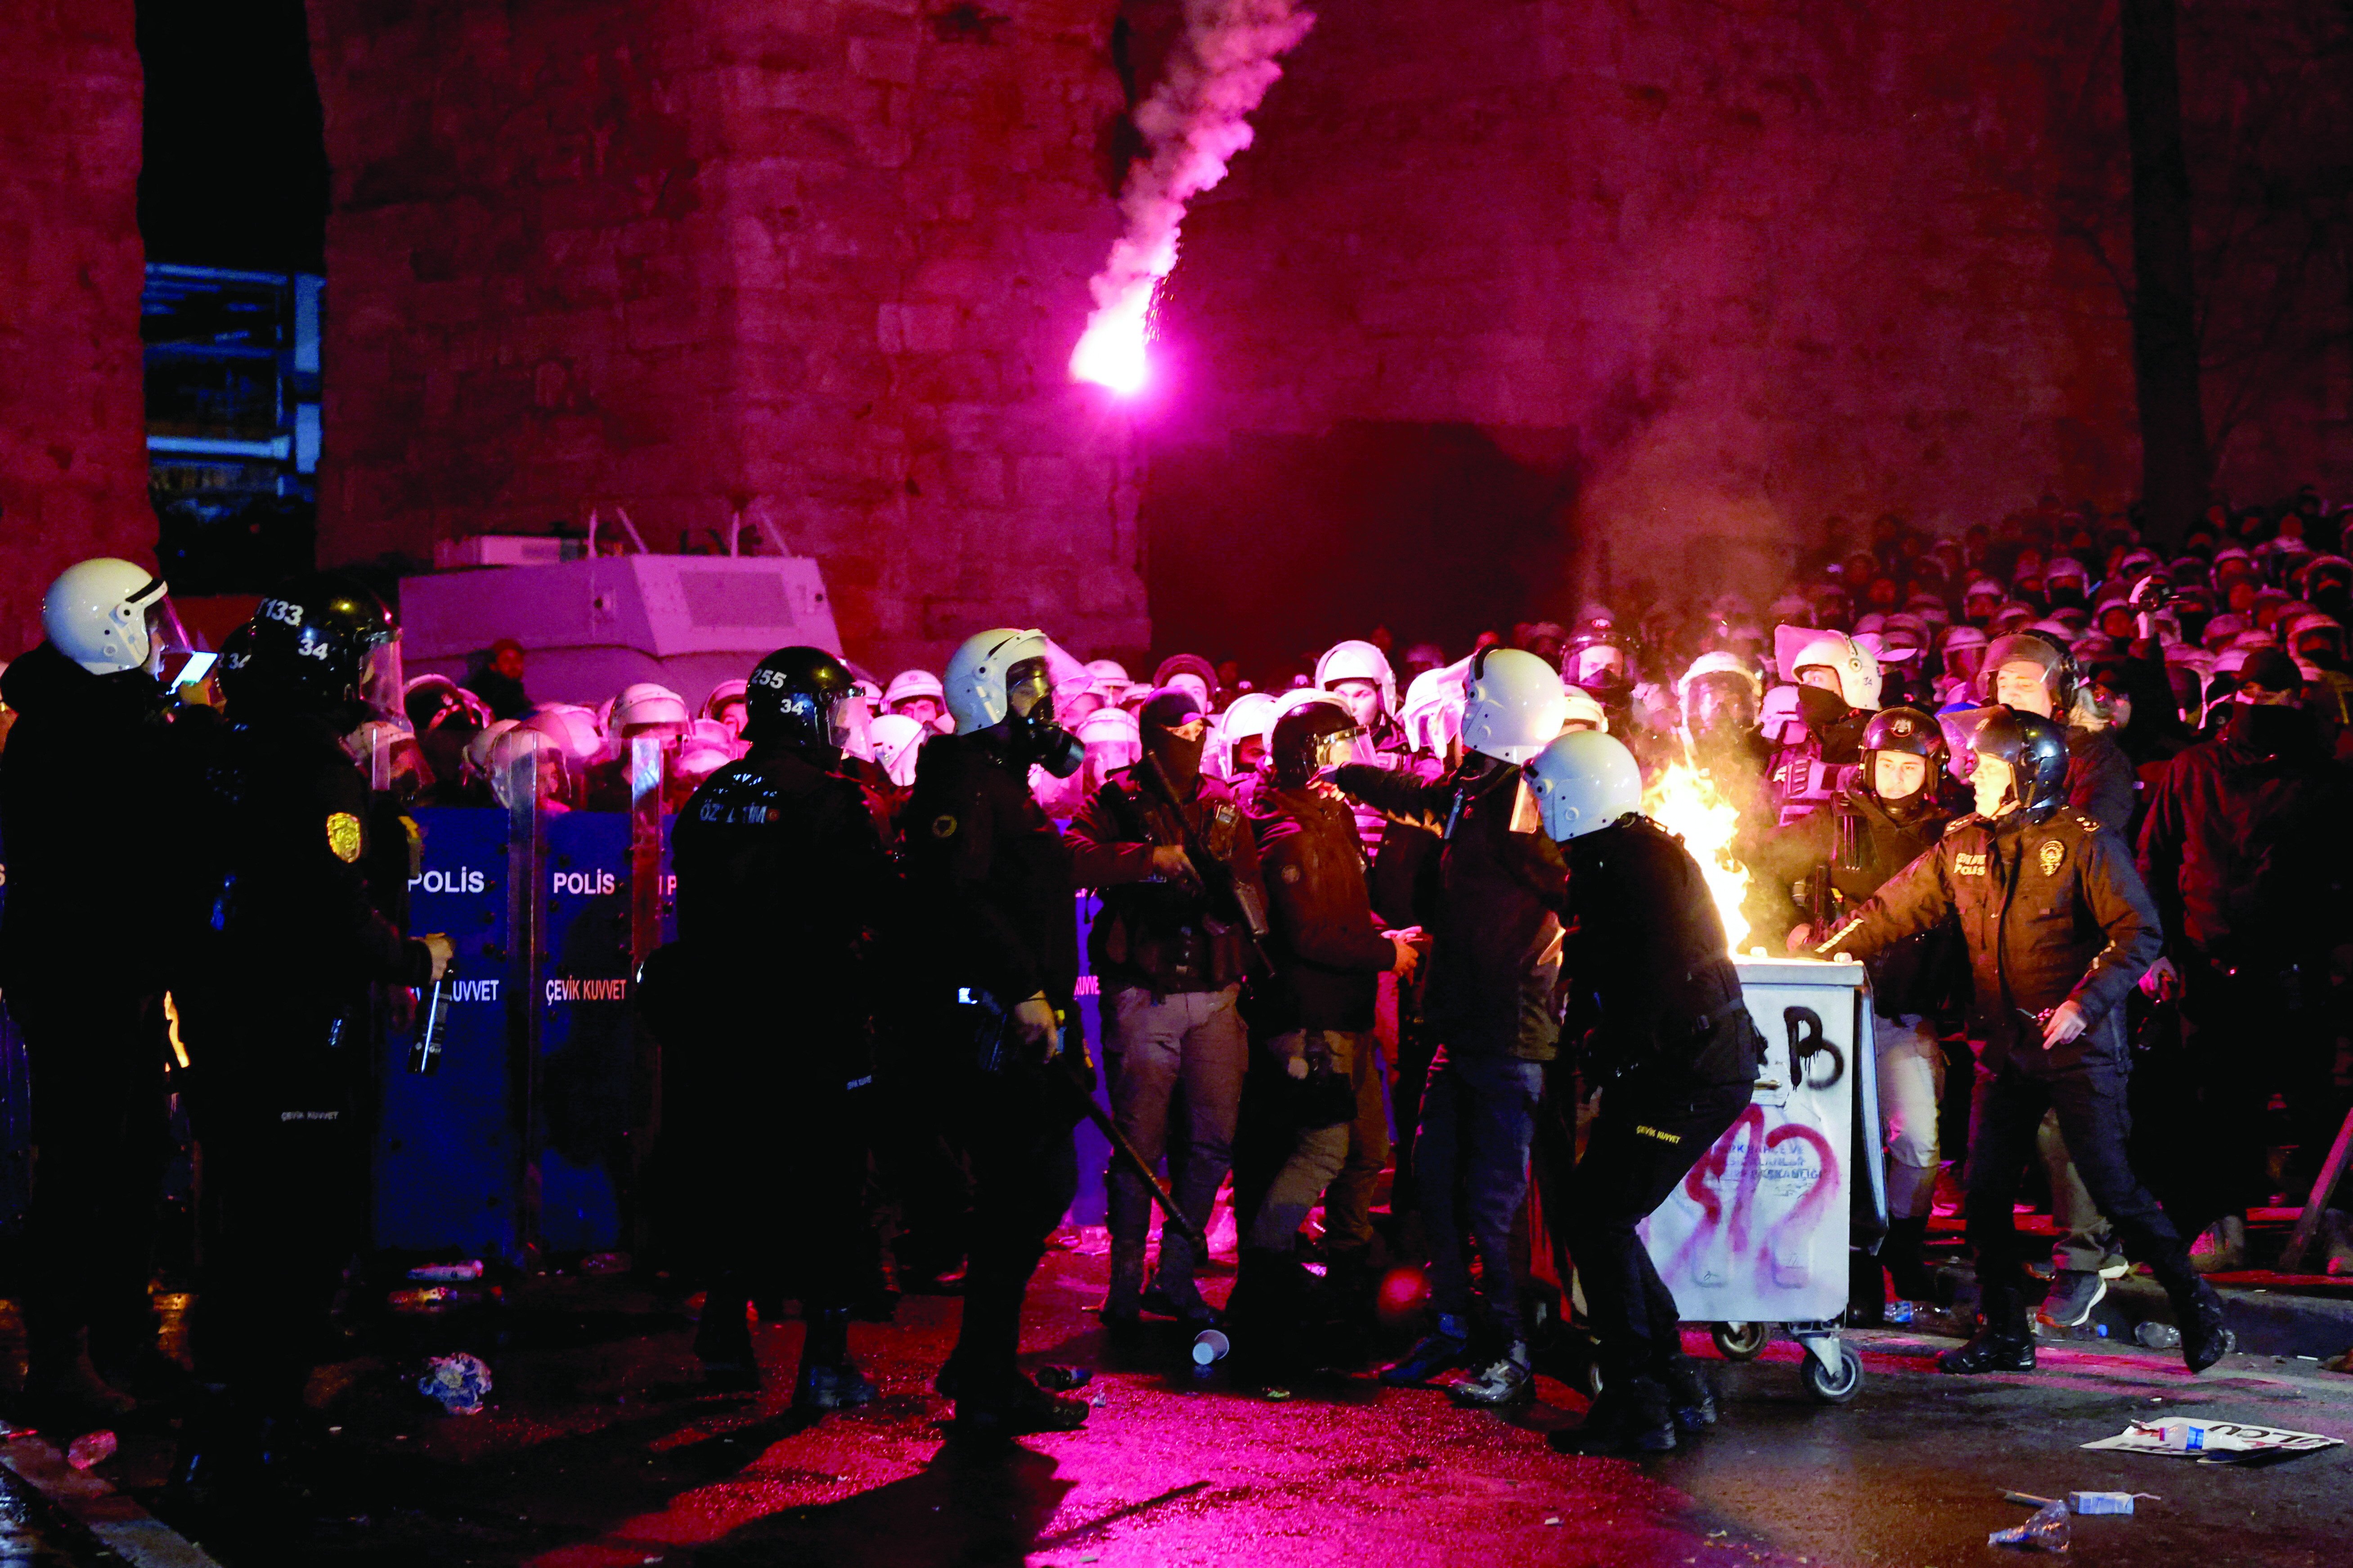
(602, 1452)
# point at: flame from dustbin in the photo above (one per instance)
(1685, 803)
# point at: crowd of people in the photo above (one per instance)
(2076, 805)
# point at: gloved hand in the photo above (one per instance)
(2161, 981)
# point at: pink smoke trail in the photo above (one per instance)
(1193, 125)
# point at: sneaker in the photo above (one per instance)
(1993, 1349)
(1690, 1395)
(2223, 1249)
(2072, 1296)
(2337, 1229)
(1505, 1382)
(1633, 1419)
(839, 1386)
(1442, 1350)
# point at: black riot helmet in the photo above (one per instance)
(796, 695)
(2035, 749)
(1913, 733)
(321, 646)
(1309, 738)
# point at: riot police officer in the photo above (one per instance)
(1669, 1042)
(784, 883)
(84, 784)
(2059, 928)
(284, 938)
(992, 889)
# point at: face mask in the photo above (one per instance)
(1179, 758)
(1820, 708)
(2266, 730)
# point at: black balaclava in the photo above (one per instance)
(1180, 759)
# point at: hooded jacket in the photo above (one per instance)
(1494, 920)
(1329, 952)
(2247, 843)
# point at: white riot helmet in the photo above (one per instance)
(109, 615)
(512, 747)
(1251, 717)
(478, 750)
(1802, 648)
(1584, 782)
(1513, 705)
(1358, 660)
(897, 738)
(975, 677)
(1110, 677)
(1432, 715)
(911, 683)
(647, 704)
(1583, 708)
(573, 727)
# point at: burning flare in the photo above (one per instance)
(1686, 804)
(1193, 125)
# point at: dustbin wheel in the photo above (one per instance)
(1837, 1388)
(1741, 1341)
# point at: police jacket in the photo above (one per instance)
(2099, 778)
(83, 793)
(2053, 911)
(783, 878)
(2246, 844)
(989, 876)
(1859, 846)
(289, 935)
(1161, 936)
(1329, 952)
(1494, 923)
(1651, 981)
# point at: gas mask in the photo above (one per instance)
(1029, 723)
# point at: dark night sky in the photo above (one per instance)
(236, 167)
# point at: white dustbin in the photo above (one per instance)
(1758, 1233)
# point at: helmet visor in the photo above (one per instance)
(380, 683)
(1723, 706)
(1029, 691)
(1349, 745)
(169, 646)
(847, 719)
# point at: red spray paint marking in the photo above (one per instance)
(1703, 1186)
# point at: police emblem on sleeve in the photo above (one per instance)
(944, 826)
(2050, 855)
(344, 836)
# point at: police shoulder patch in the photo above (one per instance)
(2049, 856)
(1959, 823)
(344, 836)
(944, 826)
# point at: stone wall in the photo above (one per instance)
(73, 454)
(1653, 288)
(820, 261)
